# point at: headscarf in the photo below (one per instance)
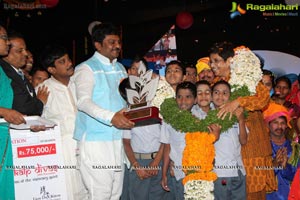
(274, 111)
(202, 64)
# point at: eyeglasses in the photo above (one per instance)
(4, 37)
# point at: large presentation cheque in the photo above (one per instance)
(38, 161)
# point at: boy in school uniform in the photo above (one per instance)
(185, 98)
(229, 167)
(203, 100)
(144, 152)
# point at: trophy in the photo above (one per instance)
(140, 90)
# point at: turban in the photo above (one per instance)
(202, 64)
(274, 111)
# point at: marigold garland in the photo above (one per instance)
(209, 176)
(197, 160)
(198, 156)
(199, 151)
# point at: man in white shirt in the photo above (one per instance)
(61, 109)
(100, 116)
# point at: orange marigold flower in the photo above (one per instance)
(198, 156)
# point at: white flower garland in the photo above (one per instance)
(199, 190)
(245, 70)
(163, 91)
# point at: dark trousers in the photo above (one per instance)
(230, 188)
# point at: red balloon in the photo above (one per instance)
(49, 3)
(184, 20)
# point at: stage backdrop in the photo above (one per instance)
(163, 51)
(278, 62)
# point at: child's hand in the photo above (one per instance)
(164, 184)
(42, 94)
(215, 129)
(142, 173)
(171, 168)
(153, 168)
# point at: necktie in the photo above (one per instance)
(20, 72)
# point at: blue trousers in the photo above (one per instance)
(230, 188)
(176, 188)
(146, 189)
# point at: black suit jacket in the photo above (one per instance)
(23, 101)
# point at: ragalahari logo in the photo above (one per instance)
(236, 10)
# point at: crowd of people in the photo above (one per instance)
(263, 145)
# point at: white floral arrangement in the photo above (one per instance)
(199, 190)
(245, 69)
(163, 91)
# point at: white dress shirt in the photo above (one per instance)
(84, 79)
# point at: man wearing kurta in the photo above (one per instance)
(61, 109)
(100, 116)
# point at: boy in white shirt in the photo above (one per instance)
(185, 99)
(204, 104)
(231, 181)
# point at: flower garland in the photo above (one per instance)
(199, 154)
(197, 162)
(183, 121)
(197, 190)
(294, 158)
(244, 70)
(163, 91)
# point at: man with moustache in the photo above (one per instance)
(204, 71)
(277, 119)
(25, 100)
(61, 109)
(100, 116)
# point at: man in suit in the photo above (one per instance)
(25, 99)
